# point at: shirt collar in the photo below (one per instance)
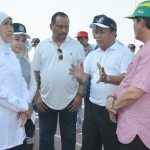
(68, 39)
(113, 47)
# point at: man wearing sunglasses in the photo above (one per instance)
(59, 93)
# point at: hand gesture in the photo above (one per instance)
(102, 74)
(77, 72)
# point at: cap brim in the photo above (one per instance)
(81, 36)
(93, 25)
(129, 17)
(19, 33)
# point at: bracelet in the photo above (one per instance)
(111, 96)
(81, 95)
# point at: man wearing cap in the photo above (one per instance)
(82, 37)
(107, 67)
(132, 98)
(34, 42)
(59, 94)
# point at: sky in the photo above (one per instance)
(36, 16)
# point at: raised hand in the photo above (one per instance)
(77, 72)
(102, 74)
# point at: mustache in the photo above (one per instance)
(63, 33)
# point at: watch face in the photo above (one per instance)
(108, 78)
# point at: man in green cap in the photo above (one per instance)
(132, 98)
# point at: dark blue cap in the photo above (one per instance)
(20, 29)
(104, 22)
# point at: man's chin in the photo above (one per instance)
(63, 37)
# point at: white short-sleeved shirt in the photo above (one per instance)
(58, 87)
(115, 61)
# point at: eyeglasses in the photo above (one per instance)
(60, 54)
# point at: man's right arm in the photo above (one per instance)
(84, 78)
(37, 75)
(38, 100)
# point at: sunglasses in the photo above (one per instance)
(60, 54)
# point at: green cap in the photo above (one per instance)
(142, 10)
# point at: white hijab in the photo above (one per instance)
(4, 47)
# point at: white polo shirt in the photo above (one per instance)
(58, 87)
(115, 61)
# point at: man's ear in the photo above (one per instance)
(50, 26)
(142, 23)
(114, 34)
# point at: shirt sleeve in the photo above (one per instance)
(37, 59)
(9, 100)
(13, 103)
(81, 55)
(87, 62)
(22, 107)
(125, 60)
(32, 86)
(141, 79)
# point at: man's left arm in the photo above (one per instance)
(116, 79)
(76, 102)
(139, 85)
(130, 96)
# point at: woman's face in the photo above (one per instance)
(18, 43)
(6, 30)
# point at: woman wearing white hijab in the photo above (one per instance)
(14, 95)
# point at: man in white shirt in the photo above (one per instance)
(59, 93)
(107, 67)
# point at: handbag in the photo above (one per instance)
(29, 128)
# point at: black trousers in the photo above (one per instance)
(98, 128)
(20, 147)
(48, 125)
(136, 144)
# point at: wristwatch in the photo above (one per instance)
(81, 95)
(107, 79)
